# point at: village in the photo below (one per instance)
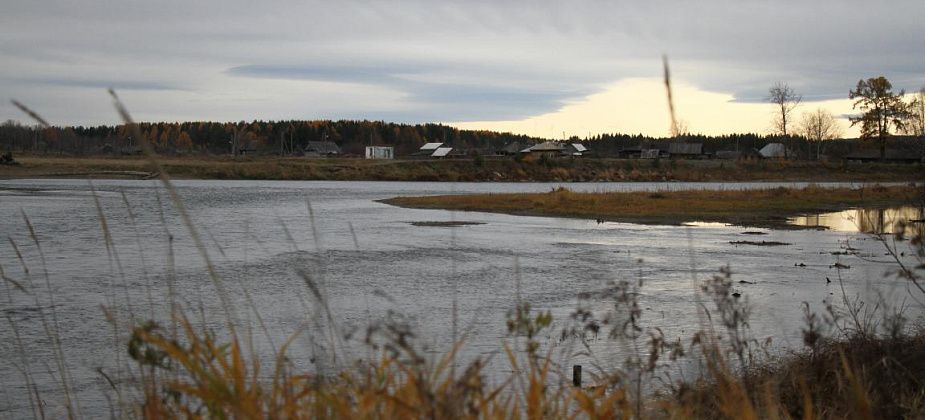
(900, 153)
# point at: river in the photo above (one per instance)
(367, 259)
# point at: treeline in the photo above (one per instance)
(263, 137)
(291, 137)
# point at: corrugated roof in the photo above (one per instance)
(442, 151)
(579, 147)
(431, 146)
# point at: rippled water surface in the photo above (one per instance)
(369, 260)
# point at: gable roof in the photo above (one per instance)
(430, 146)
(773, 150)
(516, 146)
(549, 146)
(323, 147)
(442, 151)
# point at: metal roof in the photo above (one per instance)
(431, 146)
(773, 150)
(549, 146)
(442, 151)
(579, 147)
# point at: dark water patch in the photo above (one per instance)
(445, 223)
(754, 232)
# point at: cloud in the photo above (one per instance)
(446, 61)
(101, 84)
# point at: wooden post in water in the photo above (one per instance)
(576, 375)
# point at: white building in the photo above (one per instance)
(380, 152)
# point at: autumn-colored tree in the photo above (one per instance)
(881, 109)
(184, 142)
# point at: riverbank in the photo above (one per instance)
(461, 170)
(769, 208)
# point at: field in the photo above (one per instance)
(765, 208)
(462, 170)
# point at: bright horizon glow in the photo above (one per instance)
(640, 106)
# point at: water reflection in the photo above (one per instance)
(886, 221)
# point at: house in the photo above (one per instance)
(322, 148)
(686, 150)
(773, 151)
(576, 149)
(380, 152)
(515, 147)
(548, 149)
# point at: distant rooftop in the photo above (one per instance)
(442, 151)
(430, 146)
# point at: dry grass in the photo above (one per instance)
(292, 168)
(858, 377)
(765, 207)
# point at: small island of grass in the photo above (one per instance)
(770, 207)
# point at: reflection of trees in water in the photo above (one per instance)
(889, 220)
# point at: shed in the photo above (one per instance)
(380, 152)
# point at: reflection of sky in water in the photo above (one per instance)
(866, 220)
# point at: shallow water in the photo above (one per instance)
(906, 219)
(368, 260)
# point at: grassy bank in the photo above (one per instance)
(765, 208)
(508, 169)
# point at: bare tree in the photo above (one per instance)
(818, 126)
(915, 124)
(784, 97)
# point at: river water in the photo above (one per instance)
(369, 263)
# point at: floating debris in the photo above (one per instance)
(800, 265)
(754, 232)
(840, 266)
(746, 282)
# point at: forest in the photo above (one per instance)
(291, 137)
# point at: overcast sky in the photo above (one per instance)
(536, 67)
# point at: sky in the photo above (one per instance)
(533, 67)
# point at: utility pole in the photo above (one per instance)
(234, 141)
